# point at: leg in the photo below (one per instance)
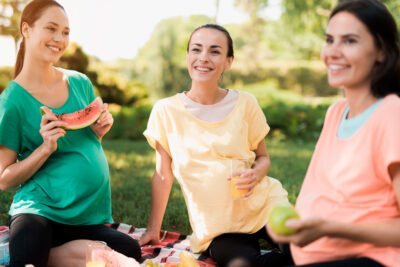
(118, 241)
(280, 254)
(234, 249)
(70, 254)
(355, 262)
(30, 240)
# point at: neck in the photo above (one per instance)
(37, 72)
(206, 94)
(359, 100)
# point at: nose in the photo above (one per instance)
(58, 36)
(331, 50)
(203, 56)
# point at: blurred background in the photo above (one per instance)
(134, 53)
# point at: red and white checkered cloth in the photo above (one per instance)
(172, 243)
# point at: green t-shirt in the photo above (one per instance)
(73, 186)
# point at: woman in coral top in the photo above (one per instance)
(197, 134)
(350, 198)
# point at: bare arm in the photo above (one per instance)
(13, 173)
(161, 185)
(258, 170)
(382, 233)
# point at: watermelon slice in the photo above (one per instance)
(81, 118)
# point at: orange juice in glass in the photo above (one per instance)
(95, 251)
(236, 167)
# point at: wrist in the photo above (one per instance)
(44, 151)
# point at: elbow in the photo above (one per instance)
(3, 187)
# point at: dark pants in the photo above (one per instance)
(227, 248)
(243, 250)
(355, 262)
(32, 237)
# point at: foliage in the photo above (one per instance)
(6, 74)
(289, 115)
(132, 165)
(161, 61)
(10, 13)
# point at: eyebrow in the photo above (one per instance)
(353, 35)
(213, 46)
(56, 24)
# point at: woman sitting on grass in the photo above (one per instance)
(62, 177)
(350, 199)
(198, 135)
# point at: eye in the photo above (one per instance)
(196, 50)
(349, 41)
(215, 52)
(328, 40)
(52, 29)
(66, 33)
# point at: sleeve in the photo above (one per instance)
(89, 89)
(257, 122)
(155, 131)
(388, 143)
(10, 129)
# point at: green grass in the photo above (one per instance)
(132, 165)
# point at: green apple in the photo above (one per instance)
(278, 216)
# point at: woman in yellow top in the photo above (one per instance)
(197, 135)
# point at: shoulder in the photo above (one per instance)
(167, 103)
(10, 97)
(391, 103)
(75, 76)
(336, 108)
(247, 97)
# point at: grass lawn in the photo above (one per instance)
(132, 165)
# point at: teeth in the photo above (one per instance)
(336, 67)
(202, 69)
(55, 49)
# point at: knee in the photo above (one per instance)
(130, 248)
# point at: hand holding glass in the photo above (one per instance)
(237, 167)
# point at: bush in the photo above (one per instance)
(6, 75)
(288, 114)
(129, 122)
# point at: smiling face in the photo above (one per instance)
(350, 53)
(207, 55)
(47, 39)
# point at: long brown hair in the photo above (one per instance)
(30, 15)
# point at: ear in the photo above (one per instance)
(381, 56)
(228, 63)
(25, 29)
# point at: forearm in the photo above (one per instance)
(385, 233)
(19, 172)
(261, 165)
(160, 190)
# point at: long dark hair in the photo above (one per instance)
(382, 26)
(30, 15)
(218, 28)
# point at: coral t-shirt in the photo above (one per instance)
(201, 153)
(348, 181)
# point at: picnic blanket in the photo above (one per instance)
(172, 243)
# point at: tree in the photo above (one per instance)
(10, 13)
(161, 63)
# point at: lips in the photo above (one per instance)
(53, 48)
(203, 69)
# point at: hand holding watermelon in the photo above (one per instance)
(104, 123)
(51, 129)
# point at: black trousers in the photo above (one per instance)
(226, 248)
(355, 262)
(32, 237)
